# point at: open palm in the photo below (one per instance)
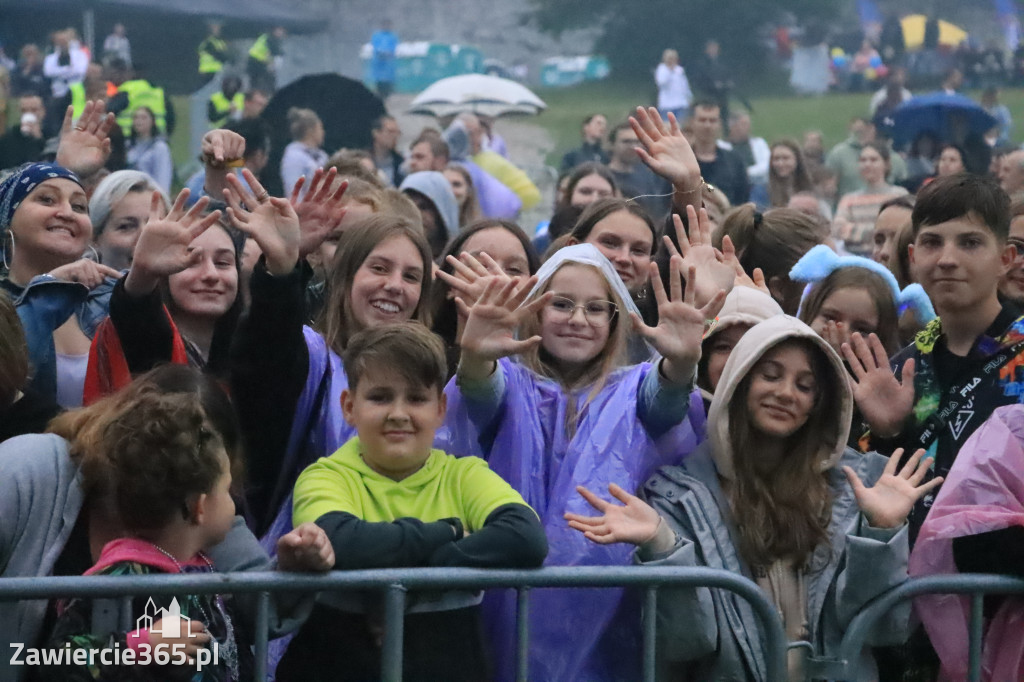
(714, 273)
(888, 503)
(163, 246)
(634, 521)
(320, 211)
(270, 221)
(491, 322)
(85, 145)
(681, 324)
(666, 151)
(884, 401)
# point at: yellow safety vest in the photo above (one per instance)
(142, 94)
(223, 106)
(77, 99)
(207, 62)
(260, 50)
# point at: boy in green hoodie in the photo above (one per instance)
(387, 500)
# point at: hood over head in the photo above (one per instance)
(750, 349)
(584, 254)
(435, 186)
(744, 305)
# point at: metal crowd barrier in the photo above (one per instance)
(395, 583)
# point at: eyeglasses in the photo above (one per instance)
(597, 313)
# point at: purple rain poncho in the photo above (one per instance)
(576, 634)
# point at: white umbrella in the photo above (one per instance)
(480, 94)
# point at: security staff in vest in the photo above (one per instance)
(227, 103)
(213, 54)
(93, 86)
(133, 92)
(264, 56)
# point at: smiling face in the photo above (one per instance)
(386, 287)
(573, 340)
(782, 391)
(208, 288)
(626, 241)
(959, 263)
(117, 240)
(503, 247)
(783, 161)
(51, 227)
(395, 420)
(887, 227)
(590, 189)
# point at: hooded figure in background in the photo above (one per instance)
(432, 194)
(496, 200)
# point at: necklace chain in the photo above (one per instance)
(230, 645)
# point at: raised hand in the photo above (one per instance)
(306, 548)
(836, 334)
(270, 221)
(491, 322)
(221, 151)
(163, 246)
(754, 281)
(634, 521)
(681, 324)
(84, 271)
(889, 501)
(667, 152)
(321, 211)
(471, 275)
(883, 401)
(221, 148)
(713, 273)
(85, 144)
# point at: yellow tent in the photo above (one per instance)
(913, 32)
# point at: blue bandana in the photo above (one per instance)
(18, 185)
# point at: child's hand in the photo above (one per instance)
(884, 401)
(306, 548)
(714, 272)
(193, 637)
(635, 521)
(320, 211)
(888, 503)
(681, 324)
(492, 320)
(471, 275)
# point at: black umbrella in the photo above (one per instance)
(346, 107)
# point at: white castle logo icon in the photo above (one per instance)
(165, 622)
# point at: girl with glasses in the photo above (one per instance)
(571, 411)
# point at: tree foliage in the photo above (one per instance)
(633, 34)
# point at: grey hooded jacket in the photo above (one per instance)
(711, 634)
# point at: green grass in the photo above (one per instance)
(773, 117)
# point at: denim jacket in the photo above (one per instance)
(44, 305)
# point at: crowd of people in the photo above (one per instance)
(761, 358)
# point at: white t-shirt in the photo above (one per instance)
(673, 87)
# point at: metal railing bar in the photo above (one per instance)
(522, 634)
(394, 631)
(968, 584)
(650, 625)
(262, 634)
(974, 628)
